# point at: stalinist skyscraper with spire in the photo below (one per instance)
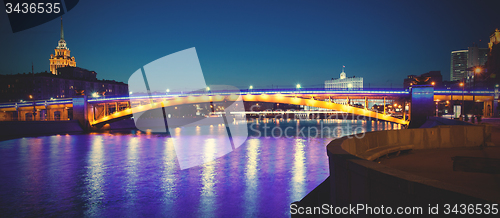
(62, 57)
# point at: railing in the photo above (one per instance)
(37, 103)
(354, 91)
(38, 119)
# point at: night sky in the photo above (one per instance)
(260, 43)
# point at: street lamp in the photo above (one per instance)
(251, 87)
(476, 70)
(433, 83)
(437, 108)
(208, 88)
(298, 86)
(463, 105)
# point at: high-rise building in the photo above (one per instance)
(344, 82)
(477, 56)
(62, 57)
(494, 39)
(458, 66)
(45, 85)
(463, 60)
(64, 80)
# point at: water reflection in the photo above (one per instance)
(138, 174)
(131, 167)
(251, 180)
(34, 181)
(208, 173)
(95, 178)
(168, 177)
(298, 171)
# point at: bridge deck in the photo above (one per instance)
(256, 98)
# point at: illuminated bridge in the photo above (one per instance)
(104, 110)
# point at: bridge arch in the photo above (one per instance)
(277, 98)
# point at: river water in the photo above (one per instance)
(137, 174)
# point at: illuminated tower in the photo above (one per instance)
(494, 38)
(62, 57)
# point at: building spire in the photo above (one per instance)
(342, 75)
(343, 67)
(62, 32)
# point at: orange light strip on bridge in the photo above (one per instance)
(255, 98)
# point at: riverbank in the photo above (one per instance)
(17, 129)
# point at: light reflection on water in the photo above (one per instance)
(298, 170)
(137, 173)
(251, 180)
(94, 179)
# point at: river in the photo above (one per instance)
(136, 174)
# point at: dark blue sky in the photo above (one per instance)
(260, 43)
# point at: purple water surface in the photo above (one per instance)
(136, 174)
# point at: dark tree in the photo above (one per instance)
(492, 74)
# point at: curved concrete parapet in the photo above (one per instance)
(354, 180)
